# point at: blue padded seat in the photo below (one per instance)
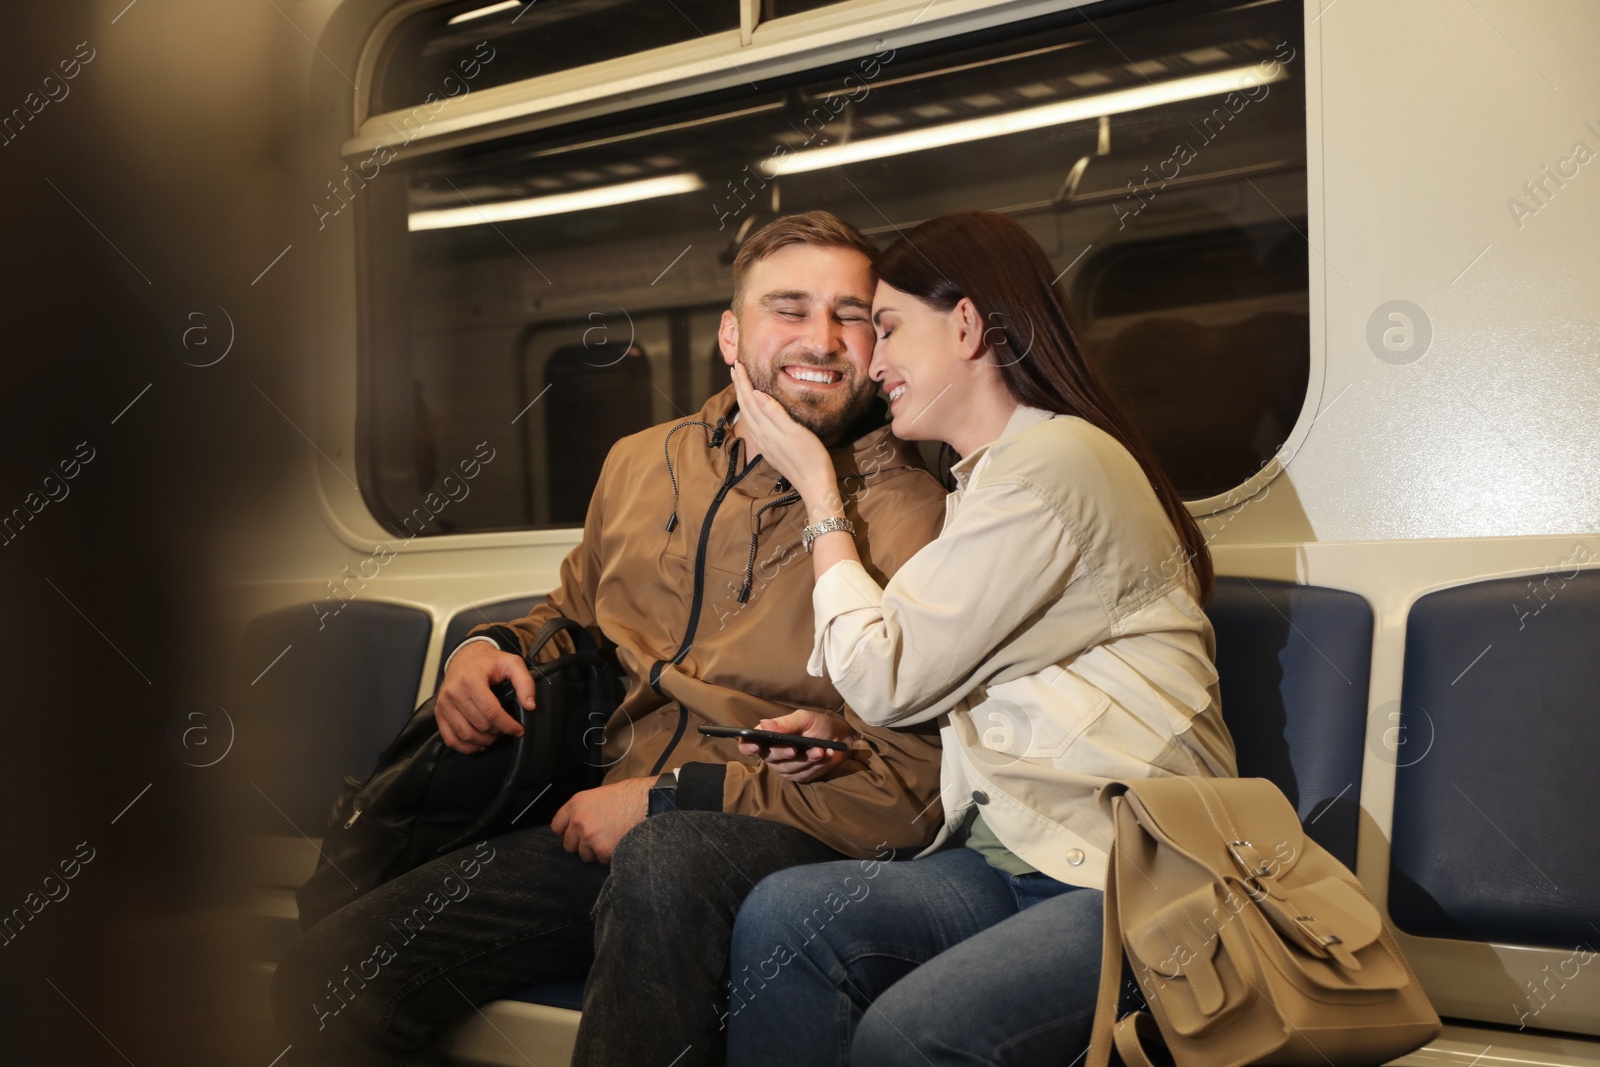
(555, 994)
(1495, 835)
(326, 708)
(1294, 662)
(466, 619)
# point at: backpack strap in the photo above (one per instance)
(1131, 1033)
(582, 640)
(534, 754)
(1105, 1008)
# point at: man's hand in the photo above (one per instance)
(593, 821)
(469, 715)
(805, 765)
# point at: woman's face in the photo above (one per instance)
(918, 361)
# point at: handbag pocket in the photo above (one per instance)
(1194, 952)
(1328, 941)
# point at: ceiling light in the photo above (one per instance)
(480, 12)
(1216, 83)
(558, 204)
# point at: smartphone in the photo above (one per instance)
(768, 737)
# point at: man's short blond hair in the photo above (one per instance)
(821, 228)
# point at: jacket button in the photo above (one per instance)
(980, 797)
(1075, 856)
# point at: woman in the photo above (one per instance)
(1055, 624)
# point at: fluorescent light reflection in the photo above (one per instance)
(480, 12)
(557, 204)
(1216, 83)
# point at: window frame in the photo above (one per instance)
(845, 31)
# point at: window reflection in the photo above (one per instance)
(771, 9)
(1205, 338)
(488, 43)
(555, 293)
(605, 394)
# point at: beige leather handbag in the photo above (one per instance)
(1251, 943)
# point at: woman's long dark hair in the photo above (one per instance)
(992, 261)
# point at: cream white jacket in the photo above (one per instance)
(1054, 621)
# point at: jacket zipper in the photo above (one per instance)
(732, 478)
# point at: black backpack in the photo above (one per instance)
(425, 799)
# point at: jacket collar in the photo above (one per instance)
(1022, 418)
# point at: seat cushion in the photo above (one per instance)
(1495, 834)
(1294, 662)
(555, 994)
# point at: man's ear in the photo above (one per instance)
(972, 338)
(728, 337)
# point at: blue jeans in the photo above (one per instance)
(942, 960)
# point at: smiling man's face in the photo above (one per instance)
(804, 334)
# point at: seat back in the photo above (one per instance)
(329, 693)
(463, 621)
(1294, 662)
(1495, 835)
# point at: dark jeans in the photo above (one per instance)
(375, 982)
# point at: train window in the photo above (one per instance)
(475, 44)
(1218, 311)
(775, 9)
(540, 296)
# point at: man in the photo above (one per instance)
(691, 569)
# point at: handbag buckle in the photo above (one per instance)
(1257, 870)
(1316, 931)
(1331, 944)
(1250, 862)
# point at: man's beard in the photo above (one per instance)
(826, 415)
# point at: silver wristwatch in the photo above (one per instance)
(817, 529)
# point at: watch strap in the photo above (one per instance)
(814, 530)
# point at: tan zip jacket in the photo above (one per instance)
(666, 595)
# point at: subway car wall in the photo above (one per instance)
(323, 316)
